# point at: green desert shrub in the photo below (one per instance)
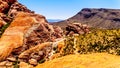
(3, 28)
(97, 41)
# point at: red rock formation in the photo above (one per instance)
(26, 30)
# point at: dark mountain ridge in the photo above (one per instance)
(97, 18)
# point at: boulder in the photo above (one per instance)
(76, 28)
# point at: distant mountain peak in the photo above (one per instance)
(53, 20)
(98, 18)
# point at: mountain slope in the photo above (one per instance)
(99, 18)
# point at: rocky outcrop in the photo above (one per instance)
(4, 8)
(35, 54)
(44, 33)
(17, 7)
(9, 9)
(25, 32)
(76, 28)
(5, 5)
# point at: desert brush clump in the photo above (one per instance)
(4, 28)
(97, 41)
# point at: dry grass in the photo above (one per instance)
(95, 60)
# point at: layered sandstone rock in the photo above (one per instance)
(25, 32)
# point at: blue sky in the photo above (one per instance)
(63, 9)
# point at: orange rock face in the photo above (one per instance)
(14, 35)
